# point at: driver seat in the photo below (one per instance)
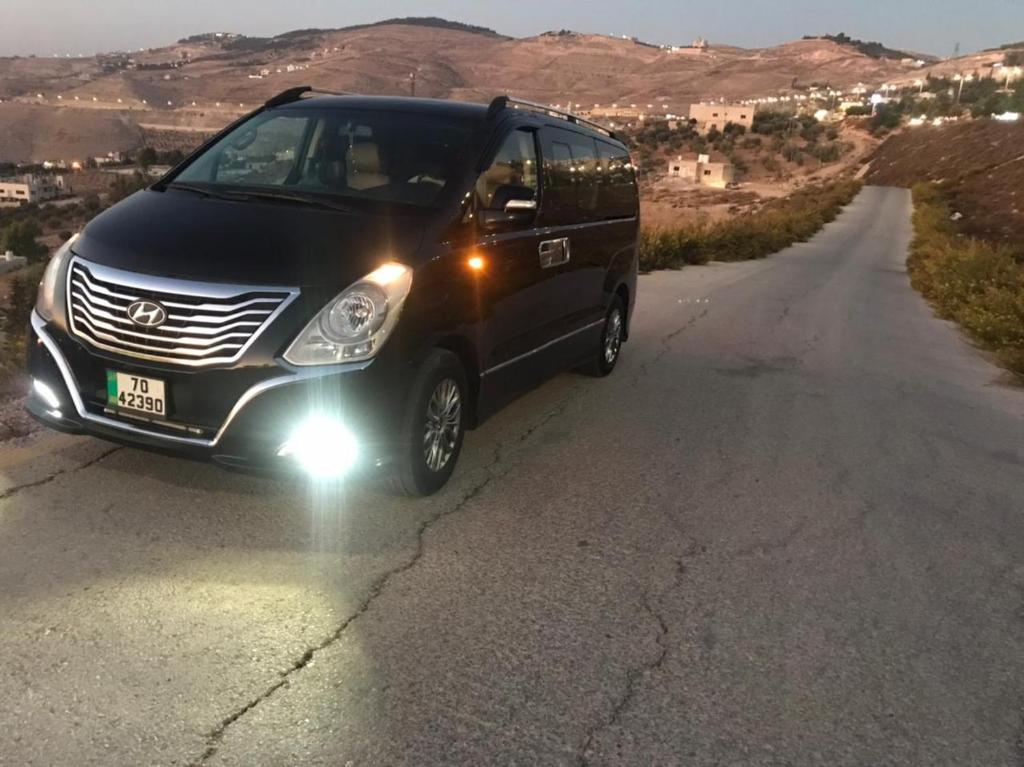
(364, 170)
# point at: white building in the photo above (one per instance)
(701, 171)
(10, 262)
(31, 188)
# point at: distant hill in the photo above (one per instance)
(433, 22)
(872, 49)
(203, 81)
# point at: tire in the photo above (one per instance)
(430, 440)
(612, 337)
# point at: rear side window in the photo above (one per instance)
(560, 200)
(584, 160)
(617, 182)
(572, 177)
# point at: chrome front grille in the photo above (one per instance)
(206, 323)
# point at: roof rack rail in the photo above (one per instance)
(294, 94)
(508, 102)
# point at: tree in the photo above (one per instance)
(20, 238)
(91, 203)
(886, 118)
(147, 157)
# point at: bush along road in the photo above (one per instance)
(978, 284)
(777, 225)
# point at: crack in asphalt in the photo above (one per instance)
(666, 342)
(11, 491)
(216, 735)
(636, 674)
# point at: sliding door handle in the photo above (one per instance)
(554, 252)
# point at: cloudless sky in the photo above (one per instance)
(48, 27)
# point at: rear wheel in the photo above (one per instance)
(433, 426)
(612, 336)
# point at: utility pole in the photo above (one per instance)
(962, 78)
(412, 84)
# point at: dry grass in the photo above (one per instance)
(978, 284)
(776, 226)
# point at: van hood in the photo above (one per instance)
(176, 233)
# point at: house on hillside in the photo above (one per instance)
(717, 116)
(701, 171)
(25, 189)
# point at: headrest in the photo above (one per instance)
(364, 157)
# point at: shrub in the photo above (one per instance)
(978, 284)
(20, 238)
(776, 226)
(21, 297)
(793, 153)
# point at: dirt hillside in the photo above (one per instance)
(214, 79)
(982, 159)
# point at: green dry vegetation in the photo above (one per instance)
(776, 226)
(21, 297)
(978, 284)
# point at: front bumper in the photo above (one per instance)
(258, 410)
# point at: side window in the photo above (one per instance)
(584, 161)
(515, 165)
(618, 181)
(571, 168)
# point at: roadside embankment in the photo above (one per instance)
(977, 283)
(776, 226)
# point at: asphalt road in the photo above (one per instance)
(788, 530)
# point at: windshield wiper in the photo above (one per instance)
(304, 199)
(239, 195)
(205, 191)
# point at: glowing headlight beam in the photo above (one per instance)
(322, 446)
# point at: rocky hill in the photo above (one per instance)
(204, 80)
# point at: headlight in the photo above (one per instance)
(49, 298)
(356, 324)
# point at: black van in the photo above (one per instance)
(343, 282)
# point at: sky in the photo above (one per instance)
(48, 27)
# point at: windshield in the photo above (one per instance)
(375, 156)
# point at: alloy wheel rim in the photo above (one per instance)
(444, 420)
(613, 337)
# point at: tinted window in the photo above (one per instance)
(392, 157)
(618, 181)
(514, 165)
(584, 161)
(572, 178)
(560, 200)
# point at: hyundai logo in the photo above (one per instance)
(147, 314)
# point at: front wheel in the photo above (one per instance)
(612, 336)
(433, 426)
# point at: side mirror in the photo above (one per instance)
(510, 206)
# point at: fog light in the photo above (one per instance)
(46, 394)
(322, 446)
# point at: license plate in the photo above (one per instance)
(136, 394)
